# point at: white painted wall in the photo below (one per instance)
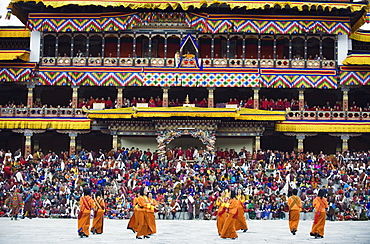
(235, 143)
(140, 142)
(35, 46)
(150, 142)
(342, 48)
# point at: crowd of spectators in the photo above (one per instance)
(186, 182)
(264, 104)
(293, 104)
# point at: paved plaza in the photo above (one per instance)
(28, 231)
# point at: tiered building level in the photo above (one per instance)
(213, 51)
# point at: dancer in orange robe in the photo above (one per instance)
(295, 206)
(221, 212)
(98, 222)
(141, 218)
(152, 204)
(86, 205)
(320, 204)
(132, 223)
(228, 230)
(241, 223)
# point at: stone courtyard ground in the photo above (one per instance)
(28, 231)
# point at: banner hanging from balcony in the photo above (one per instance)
(45, 123)
(357, 59)
(206, 23)
(15, 54)
(241, 114)
(17, 72)
(354, 75)
(323, 126)
(14, 32)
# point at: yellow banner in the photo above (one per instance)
(357, 59)
(147, 112)
(45, 123)
(15, 54)
(361, 36)
(14, 33)
(324, 126)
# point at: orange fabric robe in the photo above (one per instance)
(320, 215)
(295, 205)
(228, 230)
(151, 216)
(132, 223)
(241, 223)
(98, 221)
(86, 204)
(141, 217)
(221, 213)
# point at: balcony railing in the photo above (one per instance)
(42, 112)
(328, 115)
(206, 62)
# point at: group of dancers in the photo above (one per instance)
(88, 203)
(230, 214)
(142, 222)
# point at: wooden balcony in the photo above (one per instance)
(328, 115)
(42, 112)
(205, 62)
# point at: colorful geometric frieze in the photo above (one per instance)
(220, 23)
(322, 79)
(16, 72)
(255, 4)
(353, 76)
(82, 22)
(107, 78)
(207, 23)
(201, 79)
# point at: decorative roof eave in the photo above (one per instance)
(185, 4)
(323, 126)
(45, 123)
(361, 20)
(160, 112)
(361, 36)
(357, 59)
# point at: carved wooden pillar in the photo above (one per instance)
(165, 97)
(30, 95)
(72, 143)
(120, 96)
(74, 96)
(256, 102)
(301, 99)
(211, 101)
(345, 91)
(27, 143)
